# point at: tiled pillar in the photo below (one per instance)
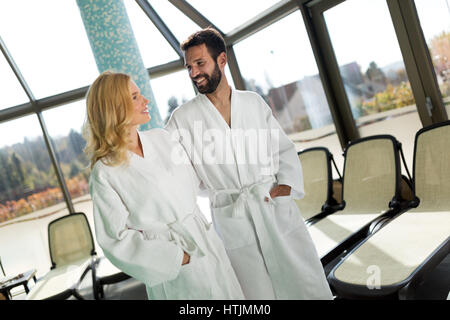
(115, 48)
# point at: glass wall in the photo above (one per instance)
(11, 92)
(29, 194)
(48, 42)
(64, 124)
(240, 11)
(154, 48)
(283, 70)
(372, 70)
(180, 25)
(435, 22)
(171, 91)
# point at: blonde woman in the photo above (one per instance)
(146, 218)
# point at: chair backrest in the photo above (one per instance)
(317, 180)
(372, 174)
(70, 239)
(431, 172)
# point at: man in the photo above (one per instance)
(252, 173)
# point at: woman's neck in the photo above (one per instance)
(134, 144)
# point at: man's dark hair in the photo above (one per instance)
(210, 37)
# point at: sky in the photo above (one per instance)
(50, 46)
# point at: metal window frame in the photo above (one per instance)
(160, 25)
(339, 105)
(418, 63)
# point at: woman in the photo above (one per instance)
(146, 218)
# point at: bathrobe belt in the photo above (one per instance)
(244, 193)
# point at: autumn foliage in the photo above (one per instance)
(392, 98)
(78, 186)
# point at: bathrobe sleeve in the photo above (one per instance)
(150, 261)
(287, 166)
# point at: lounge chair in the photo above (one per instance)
(371, 193)
(392, 262)
(318, 201)
(72, 254)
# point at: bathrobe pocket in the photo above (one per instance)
(236, 232)
(285, 217)
(192, 282)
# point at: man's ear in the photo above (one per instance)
(222, 59)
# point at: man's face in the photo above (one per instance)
(203, 70)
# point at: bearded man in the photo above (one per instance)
(252, 174)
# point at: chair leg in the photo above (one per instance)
(408, 292)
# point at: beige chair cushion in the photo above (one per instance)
(59, 280)
(70, 240)
(396, 250)
(369, 186)
(315, 179)
(432, 173)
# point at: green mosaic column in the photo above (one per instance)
(115, 48)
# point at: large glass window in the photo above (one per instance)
(172, 90)
(48, 42)
(29, 195)
(284, 72)
(240, 11)
(435, 21)
(11, 92)
(154, 48)
(180, 25)
(64, 124)
(372, 70)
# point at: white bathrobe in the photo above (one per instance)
(267, 242)
(146, 216)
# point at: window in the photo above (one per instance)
(285, 74)
(154, 48)
(64, 125)
(29, 196)
(48, 42)
(372, 70)
(172, 90)
(240, 11)
(11, 92)
(180, 25)
(434, 18)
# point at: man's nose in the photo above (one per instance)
(194, 72)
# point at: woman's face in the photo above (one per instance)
(140, 110)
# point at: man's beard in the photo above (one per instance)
(211, 81)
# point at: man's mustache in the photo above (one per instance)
(204, 75)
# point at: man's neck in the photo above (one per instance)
(221, 97)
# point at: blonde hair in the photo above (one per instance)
(109, 115)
